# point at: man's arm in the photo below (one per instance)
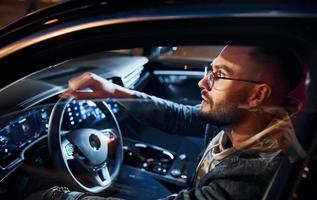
(156, 112)
(165, 115)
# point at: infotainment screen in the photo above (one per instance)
(20, 132)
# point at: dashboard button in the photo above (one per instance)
(69, 149)
(176, 173)
(3, 140)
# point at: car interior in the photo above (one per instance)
(155, 163)
(142, 162)
(151, 47)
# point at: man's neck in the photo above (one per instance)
(248, 126)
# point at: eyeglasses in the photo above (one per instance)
(213, 80)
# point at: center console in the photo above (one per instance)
(159, 162)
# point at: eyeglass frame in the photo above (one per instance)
(211, 81)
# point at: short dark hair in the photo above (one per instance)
(284, 61)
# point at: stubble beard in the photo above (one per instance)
(223, 113)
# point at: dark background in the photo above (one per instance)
(11, 10)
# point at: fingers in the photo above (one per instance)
(68, 93)
(101, 88)
(86, 80)
(80, 95)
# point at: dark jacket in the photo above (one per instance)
(244, 175)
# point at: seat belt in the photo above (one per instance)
(210, 132)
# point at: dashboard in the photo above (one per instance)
(25, 130)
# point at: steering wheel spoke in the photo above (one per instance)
(101, 175)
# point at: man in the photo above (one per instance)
(246, 95)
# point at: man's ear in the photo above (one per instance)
(259, 95)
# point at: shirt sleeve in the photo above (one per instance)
(165, 115)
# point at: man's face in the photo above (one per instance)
(222, 104)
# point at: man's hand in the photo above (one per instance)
(101, 88)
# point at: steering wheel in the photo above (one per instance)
(87, 148)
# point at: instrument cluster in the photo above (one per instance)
(26, 129)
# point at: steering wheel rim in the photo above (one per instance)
(91, 143)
